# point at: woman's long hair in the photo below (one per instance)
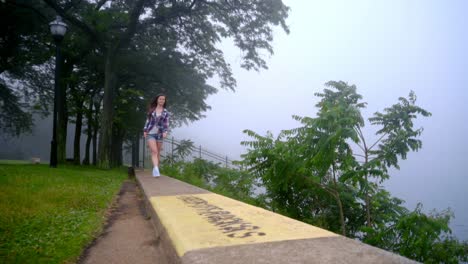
(154, 103)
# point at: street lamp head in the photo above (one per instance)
(58, 28)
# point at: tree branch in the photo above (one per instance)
(378, 141)
(71, 4)
(328, 190)
(361, 135)
(133, 21)
(192, 4)
(78, 23)
(100, 4)
(14, 3)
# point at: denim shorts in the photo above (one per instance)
(158, 137)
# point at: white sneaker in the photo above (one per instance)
(156, 172)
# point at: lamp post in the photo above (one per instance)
(58, 29)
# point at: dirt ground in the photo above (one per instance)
(128, 236)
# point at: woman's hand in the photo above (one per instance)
(164, 134)
(145, 134)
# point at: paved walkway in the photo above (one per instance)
(129, 235)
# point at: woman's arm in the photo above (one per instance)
(145, 127)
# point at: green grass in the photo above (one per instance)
(15, 162)
(49, 215)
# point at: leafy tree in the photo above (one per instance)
(13, 119)
(22, 45)
(174, 45)
(328, 135)
(184, 148)
(27, 52)
(208, 175)
(193, 27)
(92, 118)
(397, 137)
(142, 73)
(313, 156)
(422, 237)
(313, 173)
(80, 74)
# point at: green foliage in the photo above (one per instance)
(172, 48)
(208, 175)
(13, 119)
(50, 215)
(189, 172)
(274, 164)
(398, 127)
(448, 250)
(181, 151)
(419, 236)
(316, 173)
(174, 45)
(23, 43)
(234, 183)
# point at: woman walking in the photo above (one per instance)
(156, 128)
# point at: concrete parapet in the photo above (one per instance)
(197, 226)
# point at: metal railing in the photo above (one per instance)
(169, 153)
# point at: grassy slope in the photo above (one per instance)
(50, 215)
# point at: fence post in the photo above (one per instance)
(135, 151)
(226, 162)
(172, 151)
(200, 152)
(144, 148)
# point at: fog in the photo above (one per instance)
(386, 49)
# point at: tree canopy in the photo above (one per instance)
(326, 173)
(140, 48)
(189, 28)
(22, 46)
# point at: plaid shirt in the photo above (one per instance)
(161, 122)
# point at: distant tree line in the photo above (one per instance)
(119, 54)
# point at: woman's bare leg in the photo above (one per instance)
(159, 145)
(154, 152)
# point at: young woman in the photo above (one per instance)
(156, 128)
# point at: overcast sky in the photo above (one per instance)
(385, 48)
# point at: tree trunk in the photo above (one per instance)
(336, 194)
(340, 206)
(95, 126)
(89, 117)
(105, 135)
(87, 147)
(78, 126)
(368, 215)
(135, 151)
(366, 191)
(95, 146)
(89, 135)
(117, 144)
